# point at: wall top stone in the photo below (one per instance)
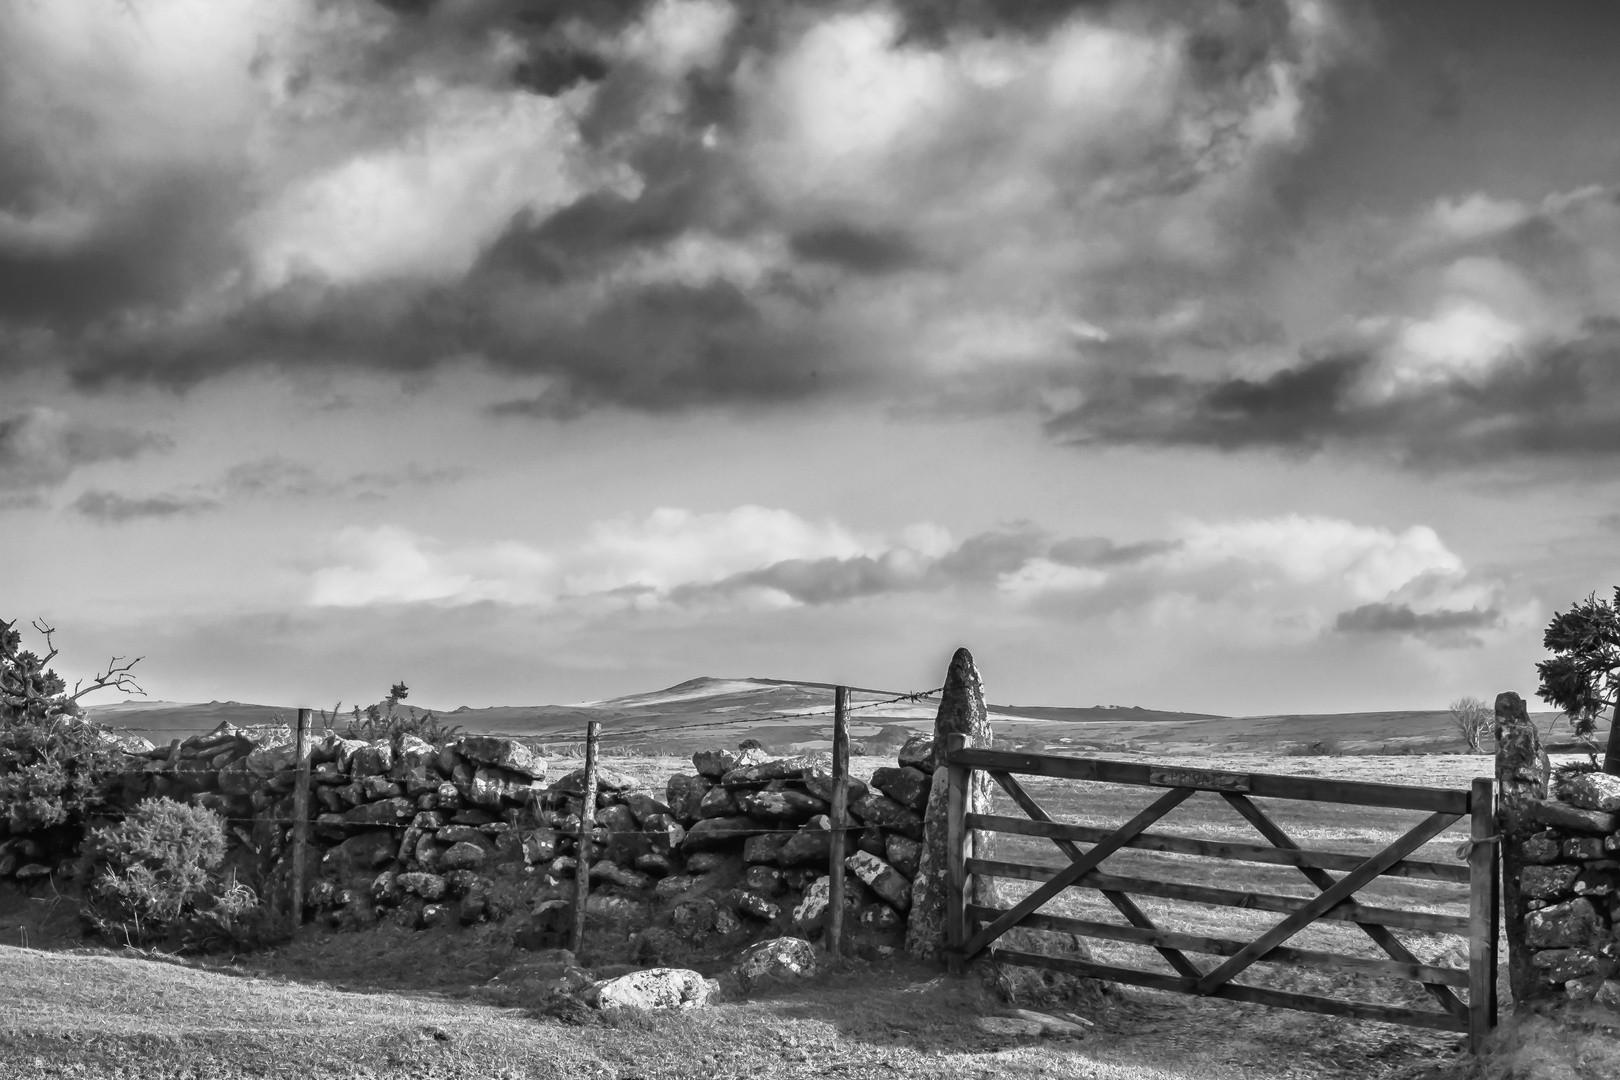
(1594, 791)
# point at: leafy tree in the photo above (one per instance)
(1583, 676)
(1473, 720)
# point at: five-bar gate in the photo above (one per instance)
(974, 928)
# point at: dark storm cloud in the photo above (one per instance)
(1562, 400)
(1443, 627)
(716, 224)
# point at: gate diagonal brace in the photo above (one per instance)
(1122, 901)
(1342, 890)
(1076, 870)
(1382, 935)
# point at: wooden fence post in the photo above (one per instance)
(300, 823)
(587, 822)
(840, 820)
(958, 849)
(1484, 912)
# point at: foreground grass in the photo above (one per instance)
(94, 1015)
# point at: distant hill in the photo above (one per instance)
(784, 714)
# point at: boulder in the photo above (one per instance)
(1572, 924)
(706, 862)
(789, 768)
(784, 959)
(673, 886)
(463, 855)
(1561, 965)
(808, 845)
(763, 848)
(491, 786)
(386, 812)
(644, 806)
(458, 834)
(1571, 818)
(610, 871)
(607, 780)
(764, 880)
(684, 794)
(448, 759)
(718, 832)
(902, 853)
(373, 759)
(790, 806)
(664, 833)
(714, 763)
(907, 786)
(449, 795)
(918, 753)
(879, 809)
(819, 782)
(880, 918)
(343, 750)
(654, 988)
(380, 787)
(873, 841)
(757, 907)
(385, 888)
(718, 802)
(361, 854)
(505, 754)
(540, 846)
(1547, 882)
(423, 852)
(882, 879)
(431, 820)
(811, 913)
(429, 887)
(1594, 791)
(654, 864)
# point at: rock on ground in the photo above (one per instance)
(654, 988)
(779, 959)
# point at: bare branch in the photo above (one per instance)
(46, 630)
(116, 677)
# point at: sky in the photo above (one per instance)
(1239, 357)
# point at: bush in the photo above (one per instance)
(385, 721)
(55, 768)
(154, 871)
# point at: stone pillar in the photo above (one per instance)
(961, 709)
(1522, 769)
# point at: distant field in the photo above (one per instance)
(705, 713)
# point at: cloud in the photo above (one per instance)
(659, 205)
(113, 508)
(1489, 331)
(41, 447)
(1266, 581)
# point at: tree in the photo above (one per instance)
(1473, 720)
(1583, 676)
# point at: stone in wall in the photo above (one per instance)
(905, 785)
(882, 879)
(684, 794)
(1572, 924)
(503, 753)
(879, 809)
(1594, 791)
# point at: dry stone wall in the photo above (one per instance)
(1568, 869)
(421, 835)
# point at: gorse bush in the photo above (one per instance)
(386, 721)
(55, 767)
(154, 870)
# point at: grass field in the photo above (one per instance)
(391, 1003)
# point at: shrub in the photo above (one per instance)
(154, 869)
(55, 767)
(386, 721)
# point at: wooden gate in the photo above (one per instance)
(974, 928)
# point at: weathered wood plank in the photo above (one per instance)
(1282, 954)
(1359, 1010)
(1483, 915)
(1343, 889)
(1063, 878)
(1323, 880)
(1345, 910)
(1217, 849)
(1124, 904)
(1261, 785)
